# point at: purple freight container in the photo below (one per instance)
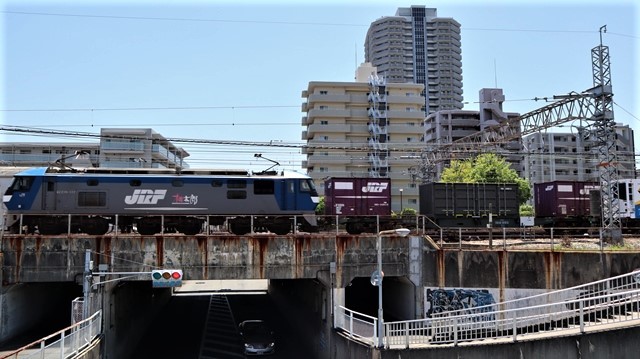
(560, 199)
(357, 196)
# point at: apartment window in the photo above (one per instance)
(323, 107)
(324, 169)
(323, 92)
(325, 138)
(409, 139)
(324, 122)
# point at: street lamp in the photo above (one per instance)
(376, 278)
(401, 201)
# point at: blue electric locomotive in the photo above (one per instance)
(93, 200)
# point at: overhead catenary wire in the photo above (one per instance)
(296, 23)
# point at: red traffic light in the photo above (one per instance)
(164, 278)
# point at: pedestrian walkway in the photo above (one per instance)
(608, 304)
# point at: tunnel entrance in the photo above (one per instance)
(398, 298)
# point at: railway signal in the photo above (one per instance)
(166, 278)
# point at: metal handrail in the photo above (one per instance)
(568, 311)
(71, 341)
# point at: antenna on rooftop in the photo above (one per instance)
(355, 61)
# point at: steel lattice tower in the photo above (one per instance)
(606, 140)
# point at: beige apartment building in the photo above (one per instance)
(366, 128)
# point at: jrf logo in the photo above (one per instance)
(145, 196)
(375, 187)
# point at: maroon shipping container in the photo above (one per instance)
(561, 199)
(357, 196)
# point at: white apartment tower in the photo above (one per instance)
(573, 156)
(367, 128)
(417, 46)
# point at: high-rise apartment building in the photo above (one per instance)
(417, 46)
(367, 128)
(573, 156)
(447, 126)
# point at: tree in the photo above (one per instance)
(486, 168)
(320, 206)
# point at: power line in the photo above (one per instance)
(177, 19)
(148, 108)
(546, 99)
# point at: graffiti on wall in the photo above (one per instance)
(444, 300)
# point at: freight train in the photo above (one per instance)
(578, 203)
(557, 204)
(362, 204)
(470, 204)
(53, 200)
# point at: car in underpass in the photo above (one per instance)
(257, 336)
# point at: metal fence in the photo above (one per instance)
(219, 224)
(64, 343)
(600, 305)
(358, 326)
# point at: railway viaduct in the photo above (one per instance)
(309, 272)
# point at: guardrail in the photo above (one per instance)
(214, 224)
(609, 302)
(64, 343)
(358, 326)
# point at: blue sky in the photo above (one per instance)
(234, 71)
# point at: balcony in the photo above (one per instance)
(330, 112)
(118, 146)
(324, 160)
(315, 129)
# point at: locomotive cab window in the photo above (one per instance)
(263, 187)
(177, 183)
(307, 186)
(21, 184)
(216, 183)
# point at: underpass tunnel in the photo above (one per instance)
(307, 304)
(30, 311)
(398, 295)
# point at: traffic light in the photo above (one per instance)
(166, 278)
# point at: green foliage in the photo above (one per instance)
(486, 168)
(526, 210)
(320, 206)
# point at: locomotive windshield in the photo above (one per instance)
(308, 186)
(20, 184)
